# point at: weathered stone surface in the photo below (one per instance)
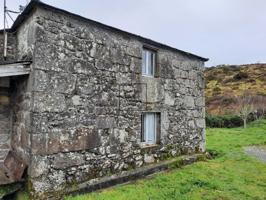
(64, 161)
(79, 112)
(105, 122)
(11, 47)
(49, 102)
(11, 168)
(200, 123)
(57, 82)
(149, 159)
(60, 141)
(169, 99)
(39, 167)
(189, 101)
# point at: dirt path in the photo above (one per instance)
(257, 151)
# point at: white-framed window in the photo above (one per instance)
(148, 62)
(150, 127)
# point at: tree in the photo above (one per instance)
(244, 107)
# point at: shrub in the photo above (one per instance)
(240, 76)
(226, 70)
(235, 87)
(228, 101)
(251, 81)
(227, 80)
(226, 121)
(217, 90)
(210, 77)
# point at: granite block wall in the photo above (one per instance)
(88, 97)
(11, 46)
(5, 114)
(21, 118)
(77, 117)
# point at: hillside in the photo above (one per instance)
(225, 82)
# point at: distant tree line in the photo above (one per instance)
(247, 107)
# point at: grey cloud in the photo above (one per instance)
(228, 32)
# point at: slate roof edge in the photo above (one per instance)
(23, 62)
(35, 3)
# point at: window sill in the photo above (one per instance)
(148, 76)
(146, 146)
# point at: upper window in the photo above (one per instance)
(148, 62)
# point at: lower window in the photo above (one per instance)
(151, 128)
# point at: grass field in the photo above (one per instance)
(232, 175)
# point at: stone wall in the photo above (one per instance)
(15, 105)
(11, 46)
(5, 114)
(88, 97)
(20, 43)
(26, 38)
(12, 161)
(21, 122)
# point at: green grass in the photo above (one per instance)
(232, 175)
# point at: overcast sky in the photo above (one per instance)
(226, 31)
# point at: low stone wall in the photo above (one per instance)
(132, 175)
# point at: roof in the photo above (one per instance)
(14, 69)
(36, 3)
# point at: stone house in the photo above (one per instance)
(80, 101)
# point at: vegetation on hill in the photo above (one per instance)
(231, 175)
(225, 83)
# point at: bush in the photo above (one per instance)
(240, 76)
(210, 77)
(217, 90)
(226, 121)
(227, 101)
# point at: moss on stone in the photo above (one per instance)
(9, 189)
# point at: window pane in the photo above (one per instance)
(143, 62)
(152, 63)
(149, 63)
(150, 128)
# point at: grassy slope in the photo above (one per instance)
(222, 83)
(232, 175)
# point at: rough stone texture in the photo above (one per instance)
(11, 167)
(21, 117)
(4, 111)
(14, 122)
(15, 105)
(79, 112)
(11, 46)
(5, 127)
(88, 98)
(26, 35)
